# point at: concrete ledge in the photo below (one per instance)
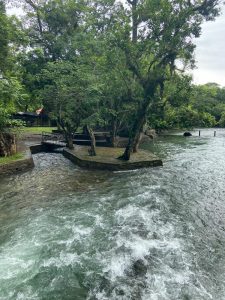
(38, 148)
(106, 159)
(24, 164)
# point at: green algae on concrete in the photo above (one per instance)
(19, 163)
(9, 159)
(106, 159)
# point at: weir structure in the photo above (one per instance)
(57, 140)
(106, 158)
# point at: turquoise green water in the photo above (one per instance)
(151, 234)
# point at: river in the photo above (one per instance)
(150, 234)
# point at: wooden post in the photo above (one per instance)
(199, 133)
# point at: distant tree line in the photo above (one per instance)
(107, 65)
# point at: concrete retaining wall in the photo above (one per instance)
(38, 148)
(24, 164)
(110, 166)
(21, 165)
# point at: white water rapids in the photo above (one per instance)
(150, 234)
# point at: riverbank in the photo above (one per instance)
(8, 159)
(106, 159)
(20, 162)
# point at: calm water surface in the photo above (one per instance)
(151, 234)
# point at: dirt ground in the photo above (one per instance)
(26, 140)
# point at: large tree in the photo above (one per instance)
(163, 33)
(71, 95)
(10, 86)
(132, 50)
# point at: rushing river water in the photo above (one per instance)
(151, 234)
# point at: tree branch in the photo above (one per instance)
(130, 2)
(36, 9)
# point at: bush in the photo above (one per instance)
(222, 120)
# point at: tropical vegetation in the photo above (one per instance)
(107, 64)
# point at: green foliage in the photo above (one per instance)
(9, 159)
(6, 121)
(11, 93)
(184, 105)
(209, 99)
(187, 117)
(77, 58)
(222, 119)
(3, 37)
(52, 26)
(4, 117)
(71, 94)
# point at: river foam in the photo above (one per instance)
(150, 234)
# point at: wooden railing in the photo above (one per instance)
(52, 137)
(78, 138)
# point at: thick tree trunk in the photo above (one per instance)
(113, 133)
(7, 144)
(69, 138)
(134, 139)
(139, 123)
(137, 140)
(127, 152)
(134, 3)
(70, 142)
(134, 21)
(92, 150)
(67, 133)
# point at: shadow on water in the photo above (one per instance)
(68, 233)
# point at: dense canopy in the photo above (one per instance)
(107, 64)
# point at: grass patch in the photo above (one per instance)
(110, 155)
(37, 130)
(6, 160)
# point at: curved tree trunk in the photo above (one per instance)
(134, 21)
(138, 125)
(113, 133)
(137, 140)
(7, 144)
(134, 139)
(150, 88)
(67, 133)
(69, 140)
(92, 151)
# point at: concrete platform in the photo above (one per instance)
(106, 159)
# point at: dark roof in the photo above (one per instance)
(26, 114)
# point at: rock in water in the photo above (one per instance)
(139, 268)
(187, 133)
